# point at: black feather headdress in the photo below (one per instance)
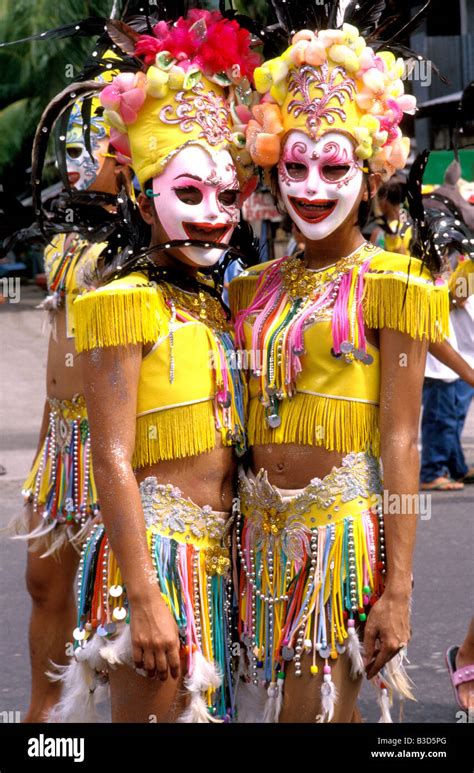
(436, 229)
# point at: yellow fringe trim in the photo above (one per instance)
(117, 318)
(335, 424)
(417, 308)
(29, 484)
(174, 433)
(241, 292)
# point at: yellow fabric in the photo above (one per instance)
(400, 294)
(40, 479)
(173, 432)
(337, 424)
(153, 141)
(317, 517)
(125, 311)
(82, 262)
(347, 116)
(336, 405)
(397, 242)
(273, 519)
(175, 417)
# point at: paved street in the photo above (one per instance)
(443, 562)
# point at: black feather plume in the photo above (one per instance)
(411, 25)
(436, 230)
(93, 26)
(364, 14)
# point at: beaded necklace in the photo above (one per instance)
(198, 304)
(290, 298)
(59, 273)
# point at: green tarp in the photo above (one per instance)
(439, 160)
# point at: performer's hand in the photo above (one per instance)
(155, 639)
(387, 630)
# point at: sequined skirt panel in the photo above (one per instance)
(189, 546)
(310, 564)
(61, 482)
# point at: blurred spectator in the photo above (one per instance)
(446, 401)
(450, 189)
(391, 229)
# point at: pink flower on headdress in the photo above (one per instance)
(148, 47)
(374, 80)
(125, 95)
(407, 102)
(391, 118)
(120, 142)
(369, 60)
(204, 39)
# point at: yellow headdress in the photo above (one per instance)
(331, 81)
(191, 92)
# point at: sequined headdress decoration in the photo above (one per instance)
(194, 88)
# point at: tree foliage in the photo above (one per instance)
(33, 72)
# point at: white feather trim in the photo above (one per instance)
(118, 651)
(274, 702)
(394, 673)
(37, 533)
(82, 690)
(81, 693)
(205, 676)
(355, 650)
(328, 700)
(50, 538)
(78, 539)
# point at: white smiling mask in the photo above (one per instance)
(319, 181)
(198, 199)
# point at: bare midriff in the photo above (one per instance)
(292, 466)
(63, 372)
(206, 479)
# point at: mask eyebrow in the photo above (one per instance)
(193, 176)
(333, 153)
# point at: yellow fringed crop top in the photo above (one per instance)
(314, 379)
(67, 260)
(187, 388)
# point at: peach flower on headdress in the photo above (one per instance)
(331, 81)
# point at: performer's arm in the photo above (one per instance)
(402, 372)
(111, 377)
(444, 352)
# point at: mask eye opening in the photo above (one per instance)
(189, 195)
